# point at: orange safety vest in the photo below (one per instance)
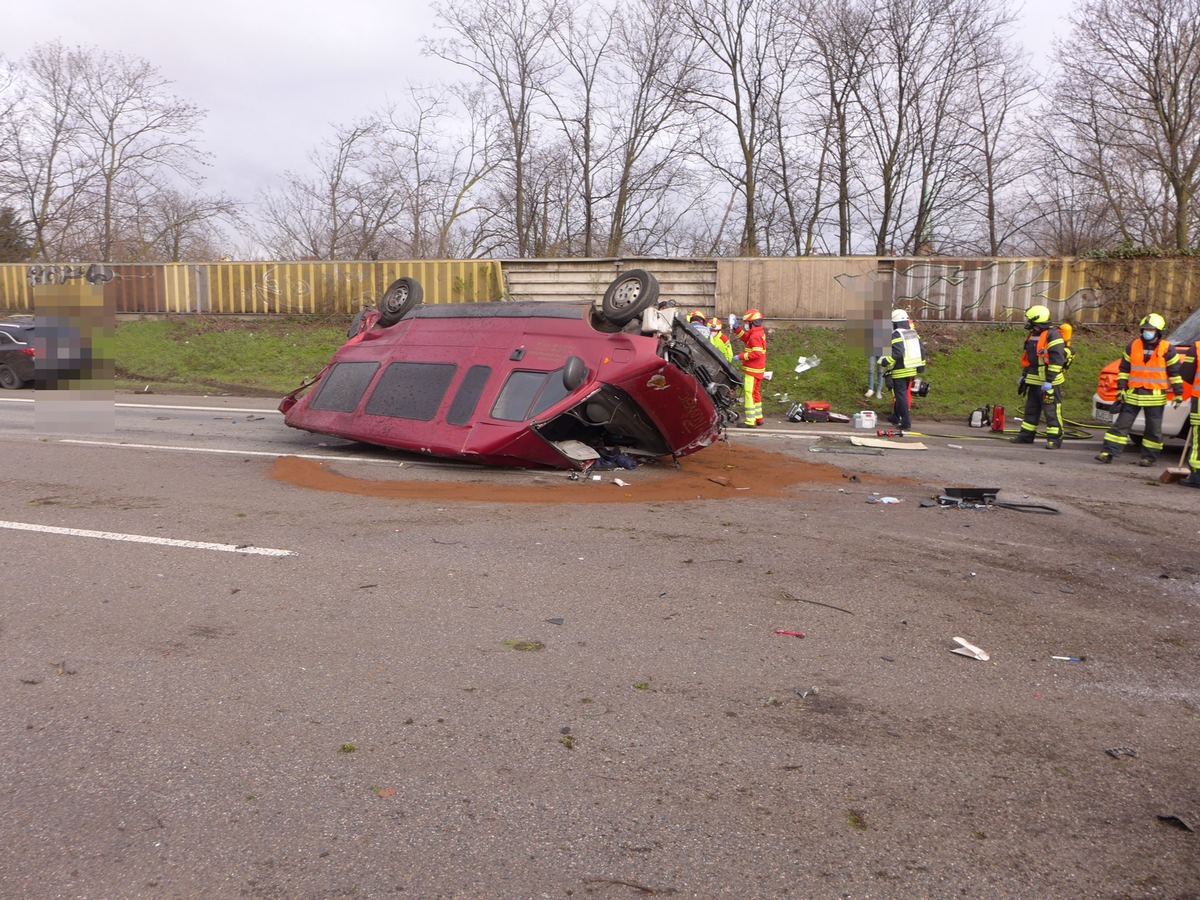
(1043, 353)
(1148, 373)
(1196, 380)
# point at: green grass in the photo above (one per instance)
(969, 366)
(200, 354)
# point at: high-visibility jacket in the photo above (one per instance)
(1194, 416)
(908, 354)
(754, 357)
(1044, 357)
(721, 341)
(1148, 373)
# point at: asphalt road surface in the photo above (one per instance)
(238, 660)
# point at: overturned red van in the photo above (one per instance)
(558, 384)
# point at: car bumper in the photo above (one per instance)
(1175, 419)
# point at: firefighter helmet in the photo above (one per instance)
(715, 324)
(752, 316)
(696, 316)
(900, 315)
(1154, 320)
(1037, 315)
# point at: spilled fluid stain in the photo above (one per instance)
(720, 472)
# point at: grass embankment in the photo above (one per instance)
(969, 366)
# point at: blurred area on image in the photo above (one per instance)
(74, 372)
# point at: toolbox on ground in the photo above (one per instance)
(809, 411)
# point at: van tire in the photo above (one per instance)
(629, 294)
(402, 296)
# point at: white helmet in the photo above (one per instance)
(900, 315)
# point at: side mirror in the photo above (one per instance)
(574, 373)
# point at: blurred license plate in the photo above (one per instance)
(1103, 415)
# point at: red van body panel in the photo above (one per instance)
(409, 386)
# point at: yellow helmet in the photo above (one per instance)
(715, 324)
(1153, 320)
(696, 316)
(752, 315)
(1037, 315)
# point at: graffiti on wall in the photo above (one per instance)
(96, 273)
(999, 289)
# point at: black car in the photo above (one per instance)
(16, 352)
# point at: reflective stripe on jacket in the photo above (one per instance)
(908, 354)
(1148, 373)
(754, 357)
(1049, 357)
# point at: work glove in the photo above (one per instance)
(1175, 403)
(1121, 396)
(1022, 387)
(737, 357)
(1047, 387)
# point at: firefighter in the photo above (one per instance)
(1193, 460)
(754, 364)
(905, 360)
(720, 339)
(1043, 371)
(699, 324)
(1148, 372)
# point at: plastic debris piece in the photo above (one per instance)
(555, 621)
(1118, 752)
(1172, 819)
(968, 649)
(1069, 658)
(792, 633)
(619, 483)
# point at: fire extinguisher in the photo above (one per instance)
(997, 418)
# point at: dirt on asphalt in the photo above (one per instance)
(471, 683)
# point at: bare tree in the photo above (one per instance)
(49, 170)
(176, 226)
(343, 210)
(507, 44)
(137, 134)
(1128, 107)
(740, 84)
(445, 147)
(1002, 87)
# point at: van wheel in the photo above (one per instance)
(8, 379)
(628, 295)
(401, 297)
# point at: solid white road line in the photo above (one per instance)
(159, 406)
(146, 539)
(267, 453)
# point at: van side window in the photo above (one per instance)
(517, 395)
(343, 387)
(467, 396)
(411, 390)
(526, 394)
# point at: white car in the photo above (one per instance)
(1175, 419)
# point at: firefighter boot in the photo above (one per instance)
(1054, 444)
(1104, 456)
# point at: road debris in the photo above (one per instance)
(969, 650)
(1118, 752)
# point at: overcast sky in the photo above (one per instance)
(275, 75)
